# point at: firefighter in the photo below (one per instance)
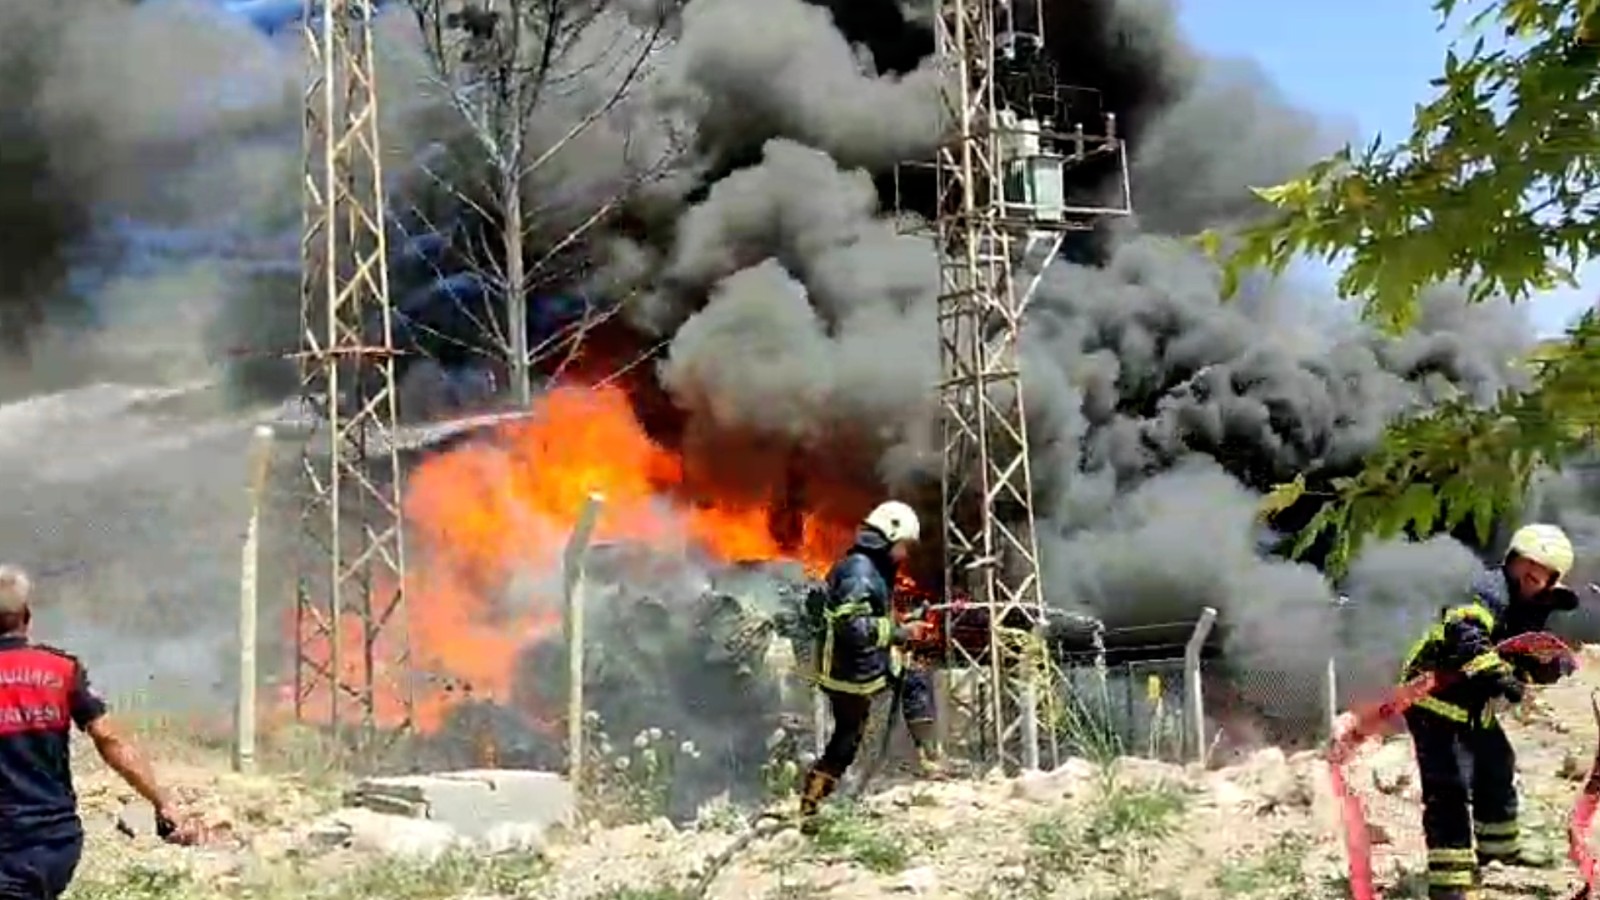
(1466, 764)
(43, 694)
(856, 631)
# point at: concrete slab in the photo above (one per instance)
(397, 836)
(473, 802)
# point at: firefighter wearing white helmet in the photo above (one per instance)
(897, 521)
(1538, 557)
(1468, 766)
(856, 630)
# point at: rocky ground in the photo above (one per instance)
(1125, 830)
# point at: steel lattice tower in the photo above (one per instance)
(351, 597)
(994, 222)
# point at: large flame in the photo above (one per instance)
(500, 510)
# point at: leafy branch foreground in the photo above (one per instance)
(1497, 187)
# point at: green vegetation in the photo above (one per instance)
(631, 782)
(449, 877)
(1123, 821)
(1278, 871)
(846, 831)
(1497, 187)
(655, 893)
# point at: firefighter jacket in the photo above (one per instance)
(1463, 641)
(855, 628)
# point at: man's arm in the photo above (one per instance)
(90, 715)
(125, 759)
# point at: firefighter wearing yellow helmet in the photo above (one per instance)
(1467, 765)
(855, 631)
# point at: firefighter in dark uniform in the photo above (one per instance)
(856, 632)
(44, 693)
(1467, 765)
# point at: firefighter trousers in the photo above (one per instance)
(1469, 795)
(916, 696)
(850, 715)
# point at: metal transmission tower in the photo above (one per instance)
(1002, 210)
(352, 643)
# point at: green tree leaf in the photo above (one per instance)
(1282, 497)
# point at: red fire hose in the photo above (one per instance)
(1376, 719)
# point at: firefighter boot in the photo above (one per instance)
(1500, 842)
(818, 785)
(1521, 857)
(930, 761)
(1453, 874)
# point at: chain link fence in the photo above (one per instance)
(1249, 707)
(1145, 707)
(1127, 709)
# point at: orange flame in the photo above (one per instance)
(503, 508)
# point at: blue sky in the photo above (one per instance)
(1364, 63)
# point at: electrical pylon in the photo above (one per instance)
(353, 650)
(1001, 209)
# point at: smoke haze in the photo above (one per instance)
(759, 246)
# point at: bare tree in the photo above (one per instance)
(529, 78)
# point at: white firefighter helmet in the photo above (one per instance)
(1546, 545)
(896, 520)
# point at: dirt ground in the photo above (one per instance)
(1129, 830)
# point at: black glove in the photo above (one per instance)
(1511, 688)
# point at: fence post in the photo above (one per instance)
(244, 710)
(1193, 693)
(1330, 686)
(1030, 723)
(1331, 692)
(572, 580)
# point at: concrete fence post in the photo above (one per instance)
(573, 561)
(1330, 692)
(244, 711)
(1194, 694)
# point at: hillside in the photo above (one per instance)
(1127, 830)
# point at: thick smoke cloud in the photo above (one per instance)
(171, 115)
(1158, 411)
(1229, 131)
(1160, 414)
(835, 313)
(151, 170)
(149, 164)
(780, 68)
